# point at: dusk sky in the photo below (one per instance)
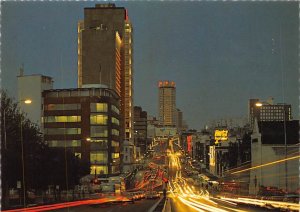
(220, 54)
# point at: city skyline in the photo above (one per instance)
(220, 53)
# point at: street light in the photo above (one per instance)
(260, 104)
(26, 101)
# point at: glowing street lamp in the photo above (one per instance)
(26, 101)
(258, 104)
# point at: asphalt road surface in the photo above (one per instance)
(141, 205)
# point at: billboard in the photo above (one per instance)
(189, 143)
(221, 135)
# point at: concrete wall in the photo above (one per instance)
(31, 87)
(273, 175)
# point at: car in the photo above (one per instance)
(140, 194)
(131, 196)
(152, 195)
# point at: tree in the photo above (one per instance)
(12, 120)
(43, 166)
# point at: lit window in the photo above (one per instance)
(115, 132)
(115, 144)
(115, 155)
(49, 119)
(64, 143)
(98, 107)
(99, 170)
(77, 154)
(115, 121)
(98, 157)
(98, 119)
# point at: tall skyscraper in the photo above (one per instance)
(105, 56)
(167, 103)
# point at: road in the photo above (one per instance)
(183, 196)
(142, 205)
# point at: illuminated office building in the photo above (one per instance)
(167, 103)
(268, 111)
(105, 56)
(87, 122)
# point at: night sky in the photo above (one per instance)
(220, 54)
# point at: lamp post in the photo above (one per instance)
(260, 104)
(26, 101)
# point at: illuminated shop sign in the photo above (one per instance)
(221, 135)
(189, 143)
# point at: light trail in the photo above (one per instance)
(267, 164)
(244, 201)
(285, 205)
(186, 193)
(263, 203)
(190, 205)
(232, 203)
(202, 206)
(237, 210)
(69, 204)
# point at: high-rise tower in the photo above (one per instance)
(105, 56)
(167, 103)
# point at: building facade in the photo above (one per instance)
(268, 111)
(167, 103)
(140, 129)
(179, 119)
(31, 87)
(271, 143)
(86, 121)
(105, 56)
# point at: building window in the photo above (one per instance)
(115, 169)
(98, 119)
(62, 131)
(98, 157)
(64, 143)
(115, 144)
(98, 107)
(115, 155)
(99, 131)
(115, 109)
(63, 107)
(50, 119)
(77, 154)
(115, 121)
(99, 170)
(115, 132)
(98, 144)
